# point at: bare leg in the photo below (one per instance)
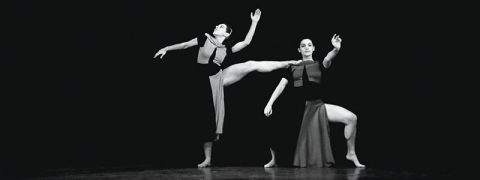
(207, 149)
(272, 162)
(236, 72)
(339, 114)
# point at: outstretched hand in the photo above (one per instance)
(336, 41)
(256, 17)
(161, 52)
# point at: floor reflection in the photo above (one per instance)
(315, 173)
(207, 173)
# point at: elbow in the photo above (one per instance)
(327, 63)
(184, 46)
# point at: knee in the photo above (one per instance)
(352, 119)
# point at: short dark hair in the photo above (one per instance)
(229, 29)
(228, 41)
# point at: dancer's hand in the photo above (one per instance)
(161, 52)
(268, 110)
(256, 17)
(336, 41)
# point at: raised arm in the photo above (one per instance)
(280, 87)
(240, 45)
(336, 42)
(183, 45)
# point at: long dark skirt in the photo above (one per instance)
(313, 144)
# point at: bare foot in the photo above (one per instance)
(353, 157)
(270, 164)
(205, 163)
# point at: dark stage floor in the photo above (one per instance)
(242, 173)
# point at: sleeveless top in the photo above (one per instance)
(305, 79)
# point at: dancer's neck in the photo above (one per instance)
(307, 58)
(220, 39)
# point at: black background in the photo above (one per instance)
(81, 88)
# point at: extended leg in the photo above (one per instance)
(236, 72)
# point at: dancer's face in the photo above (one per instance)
(306, 47)
(221, 30)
